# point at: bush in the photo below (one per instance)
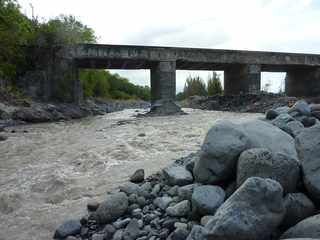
(195, 86)
(214, 85)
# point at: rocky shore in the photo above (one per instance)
(252, 180)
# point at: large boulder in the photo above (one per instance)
(308, 148)
(261, 162)
(68, 228)
(207, 199)
(301, 107)
(177, 175)
(225, 141)
(219, 152)
(253, 212)
(112, 208)
(298, 207)
(308, 228)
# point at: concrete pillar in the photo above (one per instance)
(77, 89)
(303, 82)
(241, 78)
(163, 88)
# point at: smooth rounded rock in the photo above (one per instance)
(181, 209)
(261, 162)
(177, 175)
(137, 176)
(207, 199)
(253, 212)
(68, 228)
(112, 208)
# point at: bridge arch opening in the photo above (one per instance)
(273, 82)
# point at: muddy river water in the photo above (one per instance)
(48, 172)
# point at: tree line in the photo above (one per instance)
(18, 31)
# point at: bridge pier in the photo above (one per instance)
(242, 78)
(303, 82)
(163, 88)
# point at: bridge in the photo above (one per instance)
(242, 69)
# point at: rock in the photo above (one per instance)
(138, 176)
(298, 207)
(118, 235)
(132, 230)
(97, 236)
(271, 114)
(302, 107)
(308, 228)
(281, 110)
(225, 141)
(308, 121)
(177, 175)
(205, 219)
(112, 208)
(253, 212)
(3, 138)
(130, 188)
(308, 148)
(178, 234)
(282, 120)
(181, 209)
(197, 233)
(68, 228)
(162, 202)
(231, 188)
(261, 162)
(219, 153)
(185, 192)
(92, 206)
(121, 223)
(207, 199)
(294, 128)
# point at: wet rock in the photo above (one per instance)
(205, 219)
(177, 175)
(207, 199)
(185, 192)
(308, 121)
(302, 107)
(3, 138)
(92, 206)
(121, 223)
(282, 120)
(112, 208)
(118, 235)
(308, 228)
(294, 128)
(219, 153)
(68, 228)
(132, 230)
(271, 114)
(179, 234)
(298, 207)
(98, 236)
(261, 162)
(138, 176)
(181, 209)
(308, 148)
(253, 212)
(130, 188)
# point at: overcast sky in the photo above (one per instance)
(268, 25)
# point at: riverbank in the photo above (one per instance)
(50, 171)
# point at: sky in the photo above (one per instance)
(265, 25)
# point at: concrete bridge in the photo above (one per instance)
(242, 69)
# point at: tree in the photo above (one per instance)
(194, 86)
(214, 85)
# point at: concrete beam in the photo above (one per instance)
(242, 79)
(303, 82)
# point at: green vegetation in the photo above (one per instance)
(197, 86)
(18, 31)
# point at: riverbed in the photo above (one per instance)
(50, 171)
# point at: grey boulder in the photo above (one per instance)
(302, 107)
(68, 228)
(298, 207)
(197, 233)
(177, 175)
(308, 228)
(181, 209)
(207, 199)
(137, 176)
(253, 212)
(112, 208)
(308, 148)
(261, 162)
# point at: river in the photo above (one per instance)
(48, 172)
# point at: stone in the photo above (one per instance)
(112, 208)
(308, 148)
(179, 234)
(298, 207)
(207, 199)
(308, 121)
(3, 138)
(162, 202)
(138, 176)
(225, 141)
(271, 114)
(68, 228)
(132, 230)
(130, 188)
(302, 107)
(185, 192)
(253, 212)
(219, 152)
(281, 110)
(197, 233)
(261, 162)
(205, 219)
(118, 235)
(92, 206)
(294, 128)
(282, 120)
(177, 175)
(308, 228)
(181, 209)
(98, 236)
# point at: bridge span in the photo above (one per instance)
(242, 69)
